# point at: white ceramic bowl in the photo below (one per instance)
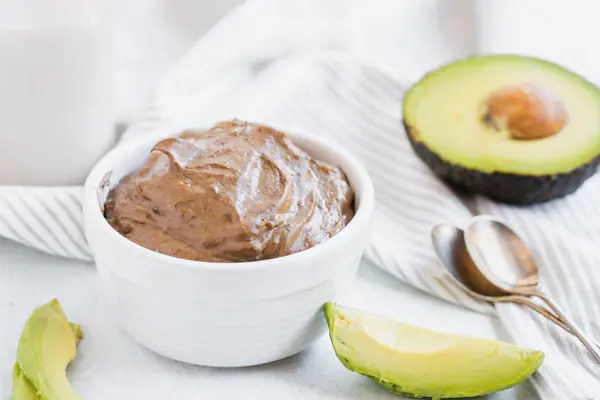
(223, 314)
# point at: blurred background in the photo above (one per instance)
(409, 36)
(86, 65)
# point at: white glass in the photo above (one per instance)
(56, 117)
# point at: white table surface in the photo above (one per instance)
(30, 278)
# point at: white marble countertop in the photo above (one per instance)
(30, 278)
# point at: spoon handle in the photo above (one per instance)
(550, 303)
(544, 312)
(587, 342)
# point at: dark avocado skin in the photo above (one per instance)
(506, 188)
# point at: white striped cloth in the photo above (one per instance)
(263, 64)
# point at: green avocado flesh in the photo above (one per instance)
(416, 362)
(48, 344)
(22, 388)
(443, 111)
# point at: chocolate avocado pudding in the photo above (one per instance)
(237, 192)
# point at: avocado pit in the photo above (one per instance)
(526, 112)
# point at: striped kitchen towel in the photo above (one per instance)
(292, 76)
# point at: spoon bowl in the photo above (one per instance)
(507, 265)
(450, 247)
(502, 257)
(449, 244)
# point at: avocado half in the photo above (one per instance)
(416, 362)
(516, 129)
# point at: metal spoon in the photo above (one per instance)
(509, 268)
(449, 244)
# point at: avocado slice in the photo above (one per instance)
(516, 129)
(47, 345)
(22, 388)
(417, 362)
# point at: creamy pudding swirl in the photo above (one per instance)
(237, 192)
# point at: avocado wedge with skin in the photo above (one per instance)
(47, 345)
(516, 129)
(417, 362)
